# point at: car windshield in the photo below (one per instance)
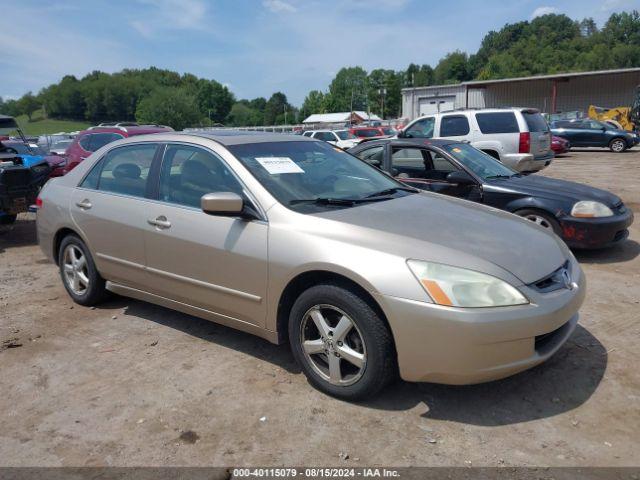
(315, 176)
(344, 135)
(389, 131)
(483, 165)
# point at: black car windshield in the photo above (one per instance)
(483, 165)
(23, 149)
(313, 176)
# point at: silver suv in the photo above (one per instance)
(518, 137)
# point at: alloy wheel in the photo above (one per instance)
(333, 345)
(543, 222)
(617, 146)
(75, 270)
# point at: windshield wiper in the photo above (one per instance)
(349, 202)
(391, 191)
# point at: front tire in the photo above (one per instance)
(78, 272)
(617, 145)
(343, 346)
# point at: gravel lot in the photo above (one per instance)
(134, 384)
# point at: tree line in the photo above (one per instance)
(545, 45)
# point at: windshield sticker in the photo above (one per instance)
(278, 165)
(456, 150)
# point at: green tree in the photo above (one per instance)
(28, 104)
(314, 102)
(348, 89)
(274, 109)
(214, 100)
(242, 115)
(169, 106)
(453, 68)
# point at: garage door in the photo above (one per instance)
(436, 104)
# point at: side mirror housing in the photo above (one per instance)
(461, 178)
(401, 134)
(222, 203)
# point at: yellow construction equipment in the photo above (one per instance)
(624, 118)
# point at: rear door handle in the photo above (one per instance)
(160, 222)
(84, 204)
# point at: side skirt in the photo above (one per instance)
(192, 310)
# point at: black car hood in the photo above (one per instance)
(552, 188)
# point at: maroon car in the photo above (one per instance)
(94, 138)
(560, 145)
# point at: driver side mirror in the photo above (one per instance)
(401, 134)
(226, 204)
(461, 178)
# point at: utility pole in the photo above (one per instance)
(382, 91)
(285, 113)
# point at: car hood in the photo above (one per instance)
(443, 229)
(546, 187)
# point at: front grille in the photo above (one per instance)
(553, 281)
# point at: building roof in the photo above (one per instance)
(338, 117)
(555, 76)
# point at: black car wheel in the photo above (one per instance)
(343, 346)
(617, 145)
(541, 218)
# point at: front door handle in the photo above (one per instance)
(84, 204)
(160, 222)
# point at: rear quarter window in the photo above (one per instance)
(497, 122)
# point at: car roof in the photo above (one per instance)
(223, 137)
(129, 130)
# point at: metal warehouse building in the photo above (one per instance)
(549, 93)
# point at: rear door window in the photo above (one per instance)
(497, 122)
(454, 126)
(125, 170)
(535, 122)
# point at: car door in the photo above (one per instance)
(597, 134)
(216, 263)
(428, 169)
(110, 209)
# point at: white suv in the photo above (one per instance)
(339, 138)
(518, 137)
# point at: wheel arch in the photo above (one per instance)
(305, 280)
(57, 240)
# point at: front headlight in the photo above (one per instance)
(459, 287)
(590, 209)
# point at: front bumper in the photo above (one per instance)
(472, 345)
(591, 233)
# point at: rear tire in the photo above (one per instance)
(617, 145)
(352, 365)
(8, 219)
(78, 272)
(541, 218)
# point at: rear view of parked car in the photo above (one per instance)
(292, 239)
(592, 133)
(340, 138)
(518, 137)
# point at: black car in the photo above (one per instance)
(592, 133)
(583, 216)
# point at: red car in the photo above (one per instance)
(90, 140)
(372, 132)
(560, 145)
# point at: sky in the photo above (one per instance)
(255, 47)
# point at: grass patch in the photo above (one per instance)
(42, 126)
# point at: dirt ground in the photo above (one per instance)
(130, 383)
